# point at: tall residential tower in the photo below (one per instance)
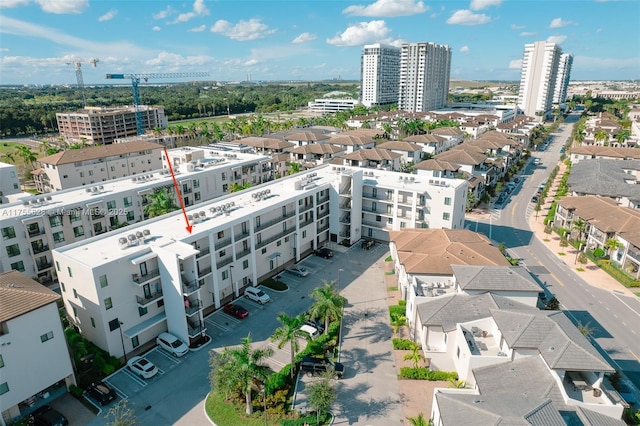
(562, 80)
(424, 76)
(380, 74)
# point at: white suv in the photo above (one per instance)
(172, 344)
(257, 295)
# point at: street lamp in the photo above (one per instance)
(122, 340)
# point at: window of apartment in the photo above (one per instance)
(446, 216)
(4, 388)
(196, 183)
(69, 271)
(225, 187)
(160, 303)
(222, 253)
(447, 201)
(142, 311)
(55, 220)
(97, 228)
(220, 235)
(103, 281)
(108, 304)
(223, 176)
(403, 224)
(62, 287)
(225, 275)
(112, 168)
(93, 322)
(130, 216)
(135, 342)
(264, 250)
(81, 174)
(378, 218)
(111, 205)
(75, 312)
(127, 201)
(304, 234)
(245, 264)
(58, 237)
(114, 324)
(8, 233)
(75, 293)
(18, 266)
(390, 221)
(1, 361)
(57, 266)
(196, 196)
(90, 172)
(75, 216)
(46, 336)
(13, 250)
(78, 231)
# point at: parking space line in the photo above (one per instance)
(168, 355)
(118, 391)
(215, 324)
(134, 377)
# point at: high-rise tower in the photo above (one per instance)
(380, 74)
(562, 79)
(538, 78)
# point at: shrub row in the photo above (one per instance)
(398, 310)
(422, 373)
(403, 344)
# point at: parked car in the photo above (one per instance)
(257, 295)
(562, 150)
(324, 252)
(367, 244)
(47, 416)
(314, 322)
(172, 344)
(101, 392)
(235, 311)
(536, 162)
(142, 367)
(312, 366)
(310, 330)
(298, 270)
(534, 199)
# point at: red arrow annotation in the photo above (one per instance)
(179, 194)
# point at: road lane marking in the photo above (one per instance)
(634, 355)
(556, 280)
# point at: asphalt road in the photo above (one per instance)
(613, 316)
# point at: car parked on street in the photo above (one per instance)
(312, 366)
(324, 252)
(534, 199)
(536, 162)
(298, 270)
(235, 311)
(142, 367)
(101, 392)
(257, 295)
(47, 416)
(172, 344)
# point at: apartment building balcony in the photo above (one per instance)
(306, 222)
(96, 216)
(36, 232)
(273, 238)
(306, 207)
(322, 199)
(189, 287)
(346, 205)
(191, 307)
(222, 243)
(40, 249)
(345, 188)
(323, 214)
(41, 266)
(187, 191)
(269, 223)
(203, 252)
(224, 262)
(204, 271)
(147, 299)
(144, 279)
(370, 224)
(370, 209)
(322, 228)
(195, 328)
(345, 219)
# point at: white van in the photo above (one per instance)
(310, 330)
(257, 295)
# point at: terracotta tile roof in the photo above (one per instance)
(435, 164)
(429, 138)
(348, 139)
(306, 136)
(101, 151)
(400, 146)
(372, 133)
(373, 154)
(20, 294)
(433, 251)
(317, 148)
(447, 131)
(266, 143)
(463, 156)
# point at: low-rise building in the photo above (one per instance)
(329, 105)
(9, 182)
(610, 178)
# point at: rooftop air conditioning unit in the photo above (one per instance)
(146, 232)
(123, 242)
(139, 234)
(202, 214)
(89, 189)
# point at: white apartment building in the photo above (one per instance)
(538, 78)
(9, 182)
(424, 76)
(36, 225)
(143, 274)
(34, 360)
(379, 74)
(100, 125)
(95, 164)
(329, 105)
(562, 80)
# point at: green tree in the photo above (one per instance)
(419, 420)
(564, 243)
(601, 136)
(622, 136)
(328, 304)
(321, 395)
(586, 329)
(240, 369)
(398, 322)
(237, 187)
(28, 156)
(415, 356)
(612, 244)
(121, 415)
(293, 168)
(161, 203)
(289, 332)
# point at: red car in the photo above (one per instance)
(236, 310)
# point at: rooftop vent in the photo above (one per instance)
(146, 232)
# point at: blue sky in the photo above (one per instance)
(307, 40)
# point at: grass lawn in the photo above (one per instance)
(224, 414)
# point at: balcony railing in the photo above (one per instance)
(273, 238)
(222, 243)
(35, 232)
(369, 209)
(203, 252)
(264, 225)
(43, 265)
(306, 207)
(224, 262)
(306, 222)
(323, 214)
(345, 219)
(346, 205)
(143, 301)
(141, 279)
(195, 329)
(194, 307)
(369, 195)
(373, 224)
(323, 199)
(189, 287)
(204, 271)
(40, 249)
(243, 253)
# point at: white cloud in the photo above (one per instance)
(199, 9)
(464, 49)
(174, 60)
(483, 4)
(527, 34)
(467, 17)
(559, 23)
(517, 27)
(606, 64)
(199, 29)
(164, 13)
(362, 33)
(251, 62)
(252, 29)
(387, 8)
(304, 37)
(599, 30)
(63, 6)
(8, 4)
(3, 49)
(108, 16)
(156, 28)
(558, 39)
(515, 64)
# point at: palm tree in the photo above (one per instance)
(28, 156)
(580, 226)
(419, 420)
(161, 203)
(612, 245)
(240, 369)
(622, 136)
(328, 304)
(289, 332)
(293, 168)
(415, 356)
(9, 157)
(601, 135)
(236, 187)
(398, 322)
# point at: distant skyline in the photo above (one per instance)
(305, 40)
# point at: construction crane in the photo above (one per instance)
(135, 80)
(77, 63)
